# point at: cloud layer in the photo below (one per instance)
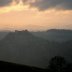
(57, 4)
(44, 4)
(7, 2)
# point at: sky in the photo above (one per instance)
(35, 15)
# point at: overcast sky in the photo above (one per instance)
(35, 14)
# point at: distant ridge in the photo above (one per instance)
(66, 30)
(60, 31)
(56, 35)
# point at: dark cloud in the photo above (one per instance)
(5, 2)
(57, 4)
(43, 4)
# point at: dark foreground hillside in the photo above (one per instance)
(12, 67)
(56, 64)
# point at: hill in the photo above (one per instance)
(23, 47)
(57, 35)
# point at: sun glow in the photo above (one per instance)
(14, 7)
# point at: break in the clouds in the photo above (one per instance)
(43, 4)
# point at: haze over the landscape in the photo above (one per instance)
(36, 35)
(35, 14)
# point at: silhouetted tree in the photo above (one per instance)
(57, 64)
(68, 67)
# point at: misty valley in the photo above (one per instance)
(33, 51)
